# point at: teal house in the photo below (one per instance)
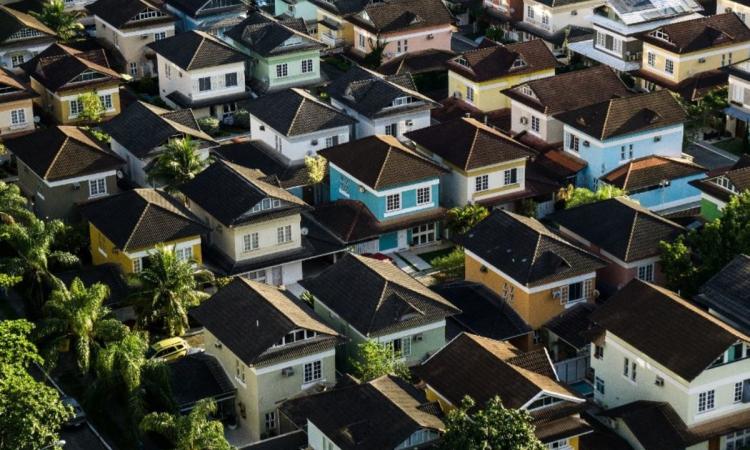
(281, 53)
(384, 196)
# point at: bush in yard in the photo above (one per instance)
(242, 119)
(209, 125)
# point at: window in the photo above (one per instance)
(230, 79)
(423, 234)
(250, 242)
(148, 14)
(423, 195)
(738, 388)
(599, 385)
(535, 124)
(561, 444)
(545, 19)
(134, 69)
(307, 65)
(282, 70)
(738, 440)
(16, 60)
(669, 66)
(706, 401)
(362, 42)
(481, 183)
(184, 254)
(575, 291)
(626, 152)
(511, 176)
(331, 141)
(258, 275)
(97, 187)
(651, 59)
(392, 129)
(106, 101)
(17, 117)
(573, 142)
(401, 346)
(76, 107)
(313, 372)
(646, 273)
(402, 46)
(204, 84)
(160, 35)
(598, 351)
(168, 71)
(393, 202)
(278, 142)
(629, 369)
(469, 93)
(137, 265)
(530, 12)
(284, 234)
(271, 421)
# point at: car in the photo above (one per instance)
(169, 349)
(80, 415)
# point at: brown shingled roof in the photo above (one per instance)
(393, 16)
(699, 34)
(650, 171)
(492, 60)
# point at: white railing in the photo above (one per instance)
(572, 370)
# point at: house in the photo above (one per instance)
(380, 104)
(141, 131)
(663, 364)
(282, 54)
(738, 7)
(62, 166)
(725, 295)
(557, 21)
(125, 228)
(333, 29)
(128, 26)
(401, 26)
(534, 103)
(658, 182)
(367, 299)
(478, 76)
(304, 9)
(738, 111)
(272, 346)
(22, 37)
(611, 133)
(200, 72)
(296, 124)
(354, 416)
(675, 54)
(259, 234)
(718, 188)
(398, 189)
(619, 25)
(62, 73)
(212, 16)
(537, 272)
(484, 368)
(16, 105)
(566, 339)
(431, 61)
(624, 234)
(484, 165)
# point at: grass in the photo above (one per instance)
(733, 145)
(429, 257)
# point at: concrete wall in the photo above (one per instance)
(6, 125)
(131, 43)
(366, 126)
(687, 65)
(295, 148)
(264, 70)
(550, 129)
(487, 95)
(172, 78)
(397, 44)
(58, 103)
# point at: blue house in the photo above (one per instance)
(384, 196)
(211, 16)
(614, 132)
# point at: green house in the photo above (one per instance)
(719, 187)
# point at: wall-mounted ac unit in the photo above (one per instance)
(701, 60)
(430, 37)
(76, 186)
(144, 36)
(659, 381)
(456, 94)
(524, 120)
(574, 13)
(418, 337)
(287, 371)
(409, 123)
(586, 143)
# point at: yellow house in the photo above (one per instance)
(536, 271)
(125, 228)
(675, 55)
(333, 28)
(62, 73)
(16, 105)
(478, 76)
(483, 368)
(734, 6)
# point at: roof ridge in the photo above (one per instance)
(385, 161)
(57, 154)
(197, 49)
(296, 114)
(632, 232)
(138, 222)
(471, 148)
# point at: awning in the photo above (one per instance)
(738, 113)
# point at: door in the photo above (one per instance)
(277, 278)
(402, 241)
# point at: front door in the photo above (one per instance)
(402, 239)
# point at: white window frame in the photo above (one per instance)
(469, 94)
(509, 175)
(646, 272)
(250, 242)
(307, 65)
(536, 124)
(97, 187)
(424, 196)
(669, 66)
(231, 79)
(312, 372)
(184, 254)
(137, 264)
(651, 59)
(284, 234)
(106, 101)
(393, 202)
(76, 107)
(481, 183)
(204, 84)
(282, 70)
(18, 117)
(133, 69)
(706, 401)
(270, 421)
(739, 388)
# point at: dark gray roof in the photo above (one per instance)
(249, 318)
(294, 440)
(370, 93)
(341, 7)
(196, 377)
(141, 127)
(12, 21)
(141, 218)
(376, 297)
(728, 292)
(572, 324)
(195, 8)
(109, 274)
(294, 112)
(619, 226)
(402, 15)
(224, 180)
(120, 13)
(59, 64)
(196, 50)
(265, 35)
(257, 154)
(526, 250)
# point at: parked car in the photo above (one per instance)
(169, 349)
(80, 415)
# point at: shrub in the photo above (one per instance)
(209, 125)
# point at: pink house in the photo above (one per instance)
(402, 26)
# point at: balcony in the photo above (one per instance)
(331, 40)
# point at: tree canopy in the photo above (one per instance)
(577, 196)
(64, 23)
(194, 431)
(461, 219)
(375, 360)
(179, 163)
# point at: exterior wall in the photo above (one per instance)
(344, 36)
(28, 48)
(296, 148)
(264, 70)
(301, 10)
(604, 156)
(316, 440)
(58, 103)
(711, 208)
(550, 129)
(397, 44)
(738, 8)
(6, 125)
(366, 126)
(559, 17)
(172, 78)
(131, 44)
(487, 95)
(690, 64)
(57, 200)
(679, 192)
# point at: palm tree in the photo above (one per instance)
(195, 431)
(179, 163)
(65, 23)
(13, 205)
(166, 288)
(78, 315)
(463, 218)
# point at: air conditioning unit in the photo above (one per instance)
(76, 186)
(409, 123)
(418, 337)
(586, 143)
(456, 94)
(287, 371)
(430, 37)
(701, 60)
(574, 13)
(314, 142)
(659, 381)
(524, 120)
(144, 36)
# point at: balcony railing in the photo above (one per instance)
(573, 369)
(331, 40)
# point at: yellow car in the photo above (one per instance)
(168, 349)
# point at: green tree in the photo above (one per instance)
(77, 317)
(693, 258)
(374, 59)
(494, 427)
(64, 23)
(577, 196)
(13, 205)
(451, 265)
(461, 219)
(31, 413)
(316, 169)
(704, 113)
(166, 289)
(195, 431)
(375, 360)
(179, 163)
(93, 109)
